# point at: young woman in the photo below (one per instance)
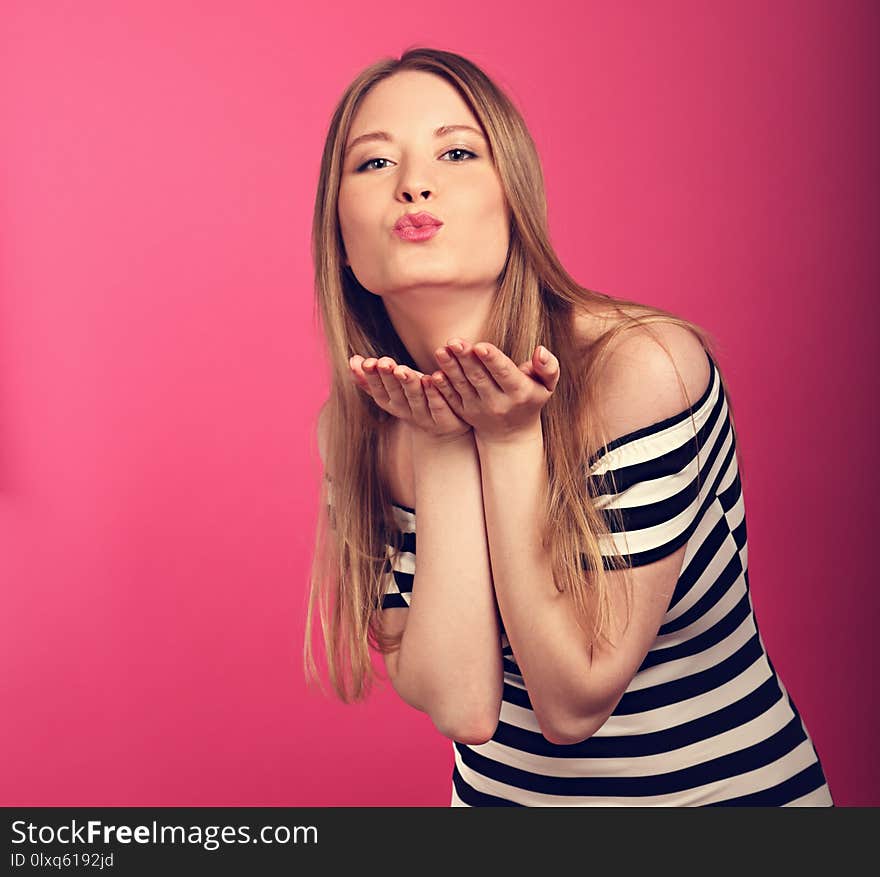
(579, 621)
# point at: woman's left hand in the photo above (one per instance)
(484, 387)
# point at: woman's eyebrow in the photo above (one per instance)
(384, 135)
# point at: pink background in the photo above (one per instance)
(160, 368)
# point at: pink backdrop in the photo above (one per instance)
(160, 369)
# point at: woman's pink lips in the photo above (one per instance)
(411, 233)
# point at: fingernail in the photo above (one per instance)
(543, 355)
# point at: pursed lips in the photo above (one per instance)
(417, 220)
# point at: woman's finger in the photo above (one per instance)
(502, 370)
(355, 366)
(411, 397)
(548, 371)
(385, 369)
(475, 372)
(445, 389)
(441, 410)
(377, 388)
(437, 405)
(449, 358)
(411, 384)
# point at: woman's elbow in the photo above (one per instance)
(473, 733)
(572, 733)
(560, 729)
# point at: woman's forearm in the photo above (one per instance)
(450, 655)
(550, 649)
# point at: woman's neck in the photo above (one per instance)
(425, 321)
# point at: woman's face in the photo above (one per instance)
(451, 176)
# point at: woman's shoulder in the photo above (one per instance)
(591, 321)
(645, 342)
(649, 373)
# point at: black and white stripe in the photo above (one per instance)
(706, 720)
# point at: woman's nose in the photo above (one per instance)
(408, 195)
(415, 182)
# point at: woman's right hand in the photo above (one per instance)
(407, 394)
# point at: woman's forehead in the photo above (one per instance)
(412, 98)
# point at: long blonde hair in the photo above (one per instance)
(535, 304)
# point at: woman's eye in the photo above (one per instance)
(366, 165)
(459, 149)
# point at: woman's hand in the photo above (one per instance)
(485, 388)
(407, 394)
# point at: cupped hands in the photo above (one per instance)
(476, 387)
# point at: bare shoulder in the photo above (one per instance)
(639, 383)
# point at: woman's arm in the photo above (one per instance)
(449, 663)
(573, 687)
(547, 644)
(450, 656)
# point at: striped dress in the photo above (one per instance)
(706, 720)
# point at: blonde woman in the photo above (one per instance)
(577, 618)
